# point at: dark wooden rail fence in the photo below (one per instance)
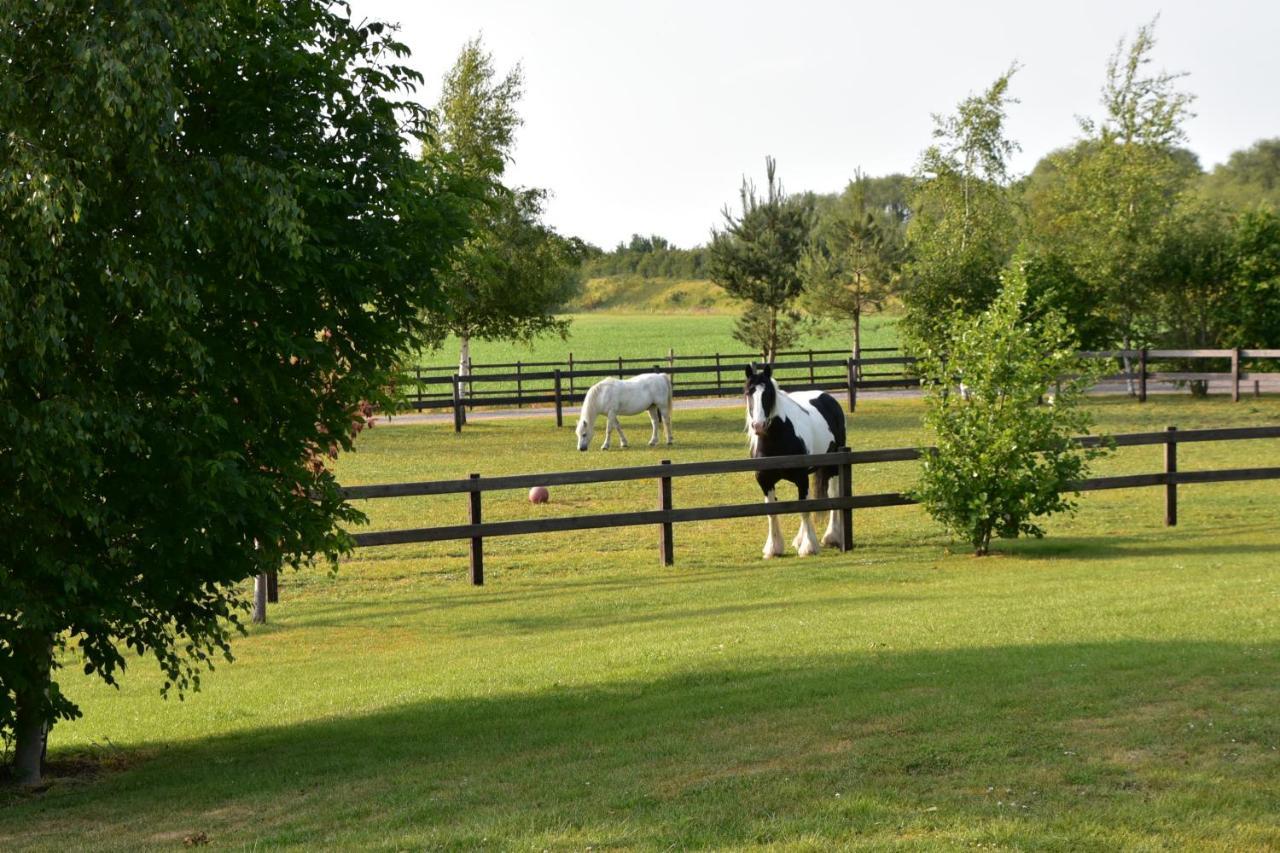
(718, 375)
(667, 514)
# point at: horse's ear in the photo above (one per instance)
(749, 370)
(767, 371)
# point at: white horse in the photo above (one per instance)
(612, 397)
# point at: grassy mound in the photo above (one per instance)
(635, 294)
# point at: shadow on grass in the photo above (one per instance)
(1174, 543)
(1103, 745)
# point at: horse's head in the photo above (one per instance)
(762, 398)
(585, 429)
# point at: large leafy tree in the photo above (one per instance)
(964, 225)
(507, 280)
(757, 256)
(213, 249)
(1114, 192)
(852, 264)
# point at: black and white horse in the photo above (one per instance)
(782, 424)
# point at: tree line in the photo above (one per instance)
(1121, 230)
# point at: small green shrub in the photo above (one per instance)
(1004, 452)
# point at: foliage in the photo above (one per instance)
(756, 258)
(769, 332)
(213, 248)
(1249, 178)
(1004, 456)
(851, 265)
(1111, 195)
(1252, 305)
(506, 281)
(964, 224)
(648, 257)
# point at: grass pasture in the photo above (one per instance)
(1113, 686)
(649, 335)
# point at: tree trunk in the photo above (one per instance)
(260, 599)
(1128, 366)
(464, 368)
(857, 338)
(773, 334)
(31, 727)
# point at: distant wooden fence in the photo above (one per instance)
(720, 375)
(667, 515)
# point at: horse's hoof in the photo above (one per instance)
(807, 551)
(831, 540)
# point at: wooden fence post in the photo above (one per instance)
(666, 539)
(417, 383)
(477, 543)
(852, 377)
(671, 356)
(519, 388)
(812, 380)
(1142, 375)
(273, 587)
(619, 367)
(1235, 375)
(1171, 467)
(457, 404)
(719, 381)
(846, 515)
(559, 401)
(571, 391)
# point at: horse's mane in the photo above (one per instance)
(589, 401)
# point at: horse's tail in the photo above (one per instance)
(671, 390)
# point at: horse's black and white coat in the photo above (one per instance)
(782, 424)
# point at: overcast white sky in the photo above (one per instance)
(644, 117)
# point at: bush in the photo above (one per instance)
(1004, 452)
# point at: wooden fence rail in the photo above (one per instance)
(718, 376)
(667, 514)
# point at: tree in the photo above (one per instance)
(756, 258)
(964, 226)
(1115, 189)
(851, 265)
(1249, 178)
(506, 281)
(1003, 457)
(213, 250)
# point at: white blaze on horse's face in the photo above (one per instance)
(584, 431)
(757, 417)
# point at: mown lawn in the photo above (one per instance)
(649, 335)
(1112, 686)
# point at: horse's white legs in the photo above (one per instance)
(617, 427)
(807, 538)
(608, 431)
(653, 419)
(773, 546)
(832, 536)
(666, 423)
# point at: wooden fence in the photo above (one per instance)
(720, 375)
(667, 514)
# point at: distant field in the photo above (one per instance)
(609, 335)
(631, 293)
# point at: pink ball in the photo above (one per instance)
(539, 495)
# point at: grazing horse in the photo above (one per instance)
(782, 424)
(612, 397)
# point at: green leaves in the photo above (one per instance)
(757, 257)
(1002, 395)
(214, 248)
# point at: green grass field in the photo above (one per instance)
(1113, 686)
(609, 335)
